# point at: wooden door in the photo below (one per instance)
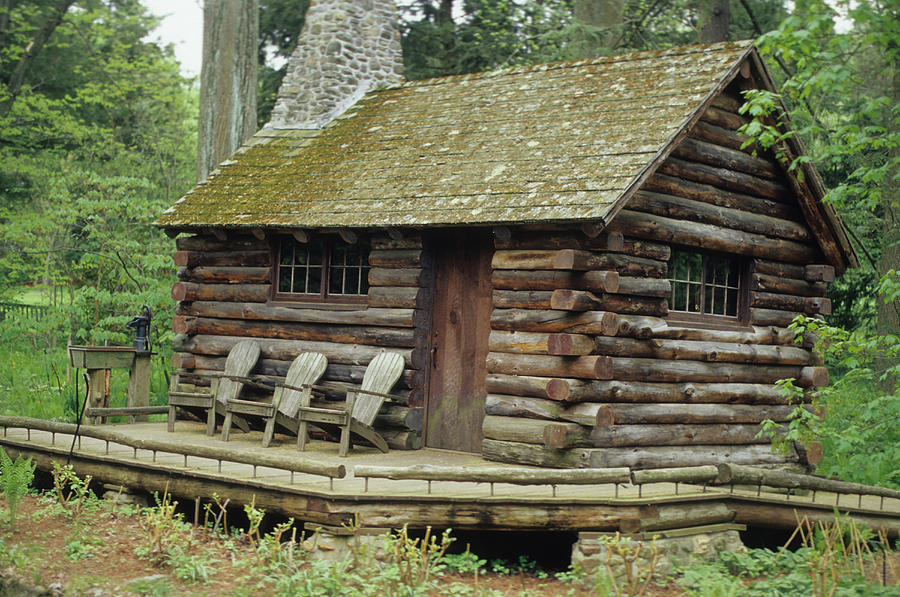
(461, 319)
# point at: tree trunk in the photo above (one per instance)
(714, 19)
(17, 78)
(227, 80)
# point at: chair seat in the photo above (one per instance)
(250, 407)
(328, 416)
(191, 399)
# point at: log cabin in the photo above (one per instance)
(583, 264)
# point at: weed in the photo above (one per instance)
(189, 566)
(463, 563)
(630, 565)
(72, 492)
(416, 559)
(161, 523)
(154, 588)
(77, 550)
(710, 580)
(15, 480)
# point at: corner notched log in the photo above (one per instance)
(590, 322)
(249, 293)
(590, 367)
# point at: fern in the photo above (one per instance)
(15, 479)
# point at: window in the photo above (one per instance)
(323, 269)
(705, 284)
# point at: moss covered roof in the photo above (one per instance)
(556, 142)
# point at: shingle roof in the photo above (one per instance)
(557, 142)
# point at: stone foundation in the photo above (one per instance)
(673, 547)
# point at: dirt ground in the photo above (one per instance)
(96, 555)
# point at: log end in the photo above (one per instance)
(556, 436)
(558, 389)
(569, 344)
(179, 291)
(609, 323)
(183, 360)
(562, 299)
(181, 258)
(815, 377)
(603, 367)
(818, 273)
(182, 324)
(605, 417)
(564, 259)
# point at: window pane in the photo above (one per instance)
(314, 280)
(287, 249)
(705, 284)
(335, 280)
(284, 280)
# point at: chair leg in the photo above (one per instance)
(269, 432)
(211, 421)
(345, 440)
(302, 435)
(170, 420)
(226, 427)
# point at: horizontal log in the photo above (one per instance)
(617, 436)
(641, 286)
(527, 431)
(538, 408)
(225, 275)
(776, 284)
(690, 414)
(382, 276)
(287, 350)
(725, 217)
(632, 457)
(714, 238)
(212, 244)
(527, 385)
(653, 457)
(640, 392)
(724, 118)
(728, 102)
(222, 258)
(590, 367)
(540, 343)
(811, 305)
(589, 322)
(707, 193)
(743, 475)
(774, 317)
(568, 259)
(727, 179)
(404, 417)
(515, 476)
(522, 299)
(711, 154)
(395, 258)
(638, 247)
(754, 335)
(674, 517)
(406, 239)
(125, 411)
(682, 474)
(560, 240)
(536, 455)
(395, 298)
(818, 273)
(239, 293)
(261, 312)
(718, 135)
(583, 300)
(598, 281)
(375, 336)
(777, 268)
(658, 370)
(702, 351)
(639, 326)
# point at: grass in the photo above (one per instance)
(31, 295)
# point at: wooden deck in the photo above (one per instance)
(171, 460)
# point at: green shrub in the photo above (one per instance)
(15, 480)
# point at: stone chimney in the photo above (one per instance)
(346, 48)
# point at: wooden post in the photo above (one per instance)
(139, 382)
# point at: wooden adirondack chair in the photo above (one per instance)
(306, 370)
(359, 411)
(240, 361)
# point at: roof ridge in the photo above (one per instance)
(632, 56)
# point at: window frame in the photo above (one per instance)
(708, 320)
(324, 297)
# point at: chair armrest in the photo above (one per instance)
(251, 382)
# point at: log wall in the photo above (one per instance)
(587, 367)
(223, 296)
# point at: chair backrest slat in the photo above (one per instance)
(307, 368)
(380, 376)
(241, 360)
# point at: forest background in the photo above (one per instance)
(98, 134)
